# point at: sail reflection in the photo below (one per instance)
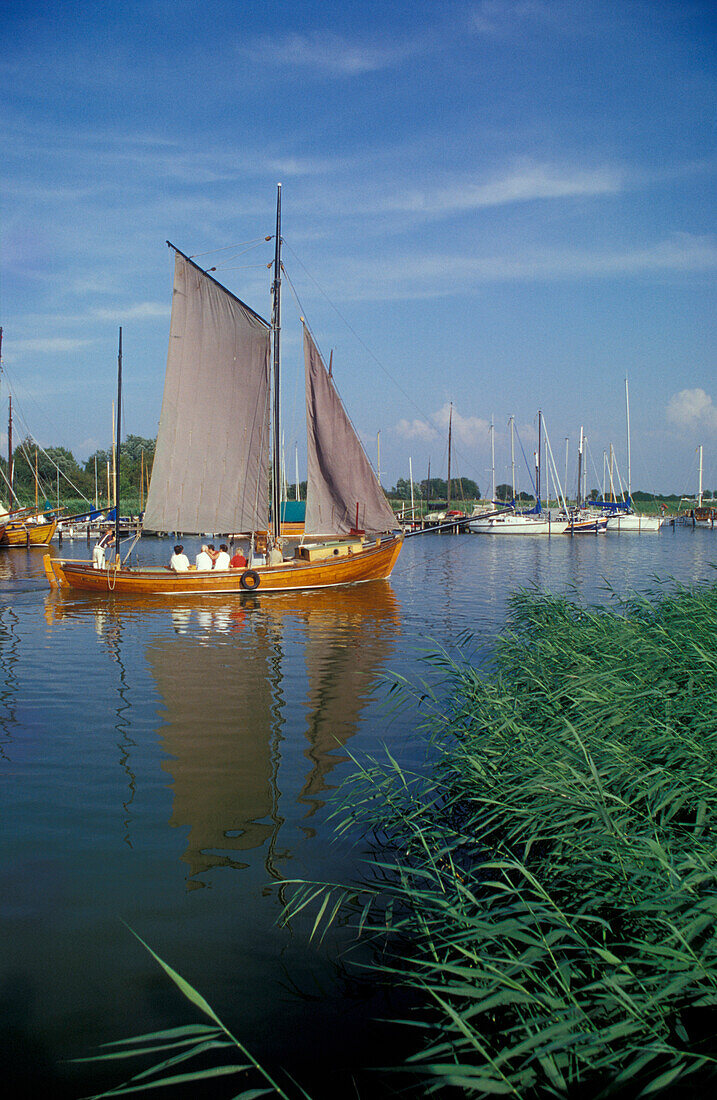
(243, 683)
(219, 726)
(230, 692)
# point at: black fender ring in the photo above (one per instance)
(250, 580)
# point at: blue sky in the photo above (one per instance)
(505, 204)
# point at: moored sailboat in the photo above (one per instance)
(219, 433)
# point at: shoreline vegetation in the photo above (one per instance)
(546, 890)
(54, 478)
(550, 887)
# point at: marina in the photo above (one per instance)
(171, 765)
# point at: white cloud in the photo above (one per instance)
(141, 311)
(524, 183)
(328, 52)
(416, 429)
(692, 409)
(51, 344)
(468, 430)
(436, 274)
(494, 18)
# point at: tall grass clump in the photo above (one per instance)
(549, 891)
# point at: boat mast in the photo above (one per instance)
(537, 465)
(492, 460)
(578, 500)
(450, 430)
(9, 433)
(699, 490)
(276, 331)
(629, 467)
(10, 463)
(119, 421)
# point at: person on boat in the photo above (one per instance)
(238, 561)
(98, 554)
(179, 561)
(275, 556)
(222, 560)
(204, 560)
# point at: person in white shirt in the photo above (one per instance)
(204, 561)
(98, 554)
(222, 560)
(179, 561)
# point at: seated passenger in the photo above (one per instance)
(238, 561)
(204, 561)
(179, 561)
(98, 554)
(275, 556)
(222, 559)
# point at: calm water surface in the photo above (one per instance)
(170, 766)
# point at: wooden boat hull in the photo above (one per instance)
(371, 563)
(28, 534)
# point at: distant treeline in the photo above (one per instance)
(46, 469)
(37, 468)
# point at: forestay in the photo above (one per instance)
(211, 465)
(340, 476)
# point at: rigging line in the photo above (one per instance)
(333, 381)
(239, 267)
(50, 459)
(240, 244)
(17, 409)
(427, 418)
(527, 464)
(358, 338)
(587, 448)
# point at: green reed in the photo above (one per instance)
(548, 889)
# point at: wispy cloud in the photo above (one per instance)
(326, 52)
(438, 274)
(496, 18)
(51, 345)
(692, 409)
(524, 183)
(141, 311)
(419, 430)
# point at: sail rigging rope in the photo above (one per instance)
(428, 419)
(20, 416)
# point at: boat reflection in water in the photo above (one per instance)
(236, 703)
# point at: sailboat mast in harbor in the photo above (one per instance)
(276, 406)
(117, 462)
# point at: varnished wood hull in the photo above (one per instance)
(30, 534)
(370, 564)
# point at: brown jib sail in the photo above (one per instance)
(341, 485)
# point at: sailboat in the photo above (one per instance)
(21, 526)
(702, 516)
(219, 433)
(621, 515)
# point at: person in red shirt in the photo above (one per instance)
(238, 561)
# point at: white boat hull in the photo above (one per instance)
(518, 525)
(634, 522)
